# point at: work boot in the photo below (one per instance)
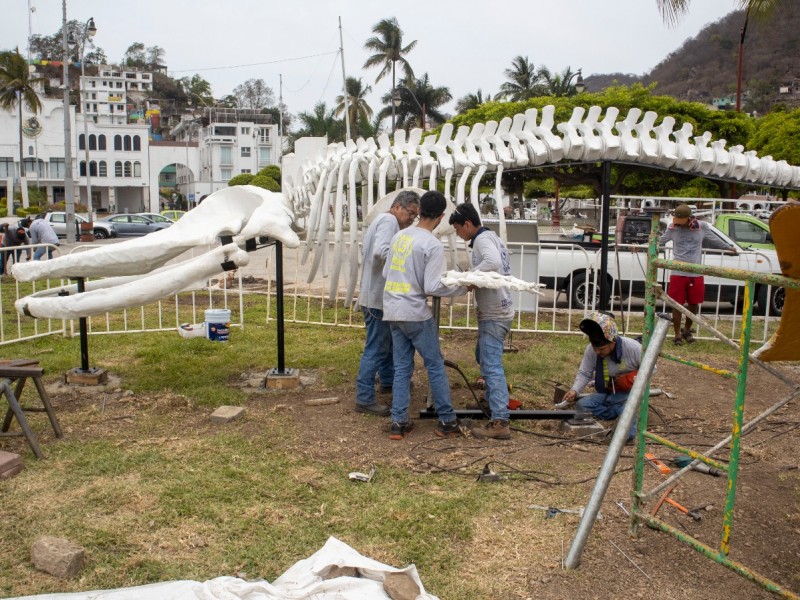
(379, 410)
(449, 430)
(400, 430)
(495, 429)
(688, 337)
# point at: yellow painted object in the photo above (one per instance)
(785, 342)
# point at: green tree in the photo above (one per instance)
(318, 123)
(356, 103)
(416, 95)
(558, 84)
(268, 183)
(155, 57)
(17, 86)
(388, 49)
(198, 90)
(776, 134)
(524, 81)
(273, 171)
(135, 55)
(673, 10)
(255, 94)
(470, 101)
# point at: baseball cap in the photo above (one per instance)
(683, 211)
(600, 327)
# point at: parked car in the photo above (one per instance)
(174, 215)
(157, 218)
(133, 225)
(58, 221)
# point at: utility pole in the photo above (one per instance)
(69, 191)
(344, 85)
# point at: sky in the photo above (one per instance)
(464, 45)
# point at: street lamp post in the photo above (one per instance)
(579, 84)
(69, 200)
(88, 32)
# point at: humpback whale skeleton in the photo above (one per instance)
(325, 194)
(529, 139)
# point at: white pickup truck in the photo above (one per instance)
(58, 221)
(572, 266)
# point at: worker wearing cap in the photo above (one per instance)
(687, 234)
(612, 362)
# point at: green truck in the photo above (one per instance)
(747, 231)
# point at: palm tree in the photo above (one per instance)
(320, 122)
(17, 86)
(356, 103)
(560, 84)
(471, 101)
(418, 96)
(388, 49)
(523, 81)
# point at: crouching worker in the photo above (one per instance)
(612, 361)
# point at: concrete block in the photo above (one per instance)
(93, 376)
(10, 464)
(400, 586)
(57, 556)
(226, 414)
(582, 427)
(288, 380)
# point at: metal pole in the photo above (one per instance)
(344, 85)
(84, 105)
(641, 387)
(604, 289)
(69, 200)
(279, 305)
(84, 332)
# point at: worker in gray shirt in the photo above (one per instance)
(687, 234)
(41, 232)
(612, 362)
(377, 356)
(413, 272)
(495, 313)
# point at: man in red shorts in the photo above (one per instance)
(687, 235)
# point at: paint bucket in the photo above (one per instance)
(218, 324)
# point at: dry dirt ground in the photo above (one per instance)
(766, 530)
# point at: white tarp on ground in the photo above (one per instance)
(304, 580)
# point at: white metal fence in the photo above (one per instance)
(570, 272)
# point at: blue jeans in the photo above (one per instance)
(5, 258)
(39, 252)
(607, 407)
(422, 336)
(489, 354)
(377, 357)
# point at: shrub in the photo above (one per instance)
(268, 183)
(242, 179)
(273, 171)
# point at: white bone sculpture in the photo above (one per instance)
(328, 183)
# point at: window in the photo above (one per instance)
(93, 168)
(264, 156)
(137, 169)
(245, 130)
(117, 142)
(81, 142)
(103, 172)
(58, 217)
(263, 135)
(118, 169)
(137, 143)
(246, 171)
(32, 167)
(6, 167)
(245, 151)
(226, 174)
(743, 232)
(56, 168)
(127, 143)
(101, 141)
(30, 151)
(128, 170)
(93, 142)
(82, 169)
(225, 155)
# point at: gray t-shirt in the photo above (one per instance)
(42, 233)
(489, 253)
(413, 272)
(375, 249)
(630, 360)
(687, 244)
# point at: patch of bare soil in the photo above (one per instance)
(552, 469)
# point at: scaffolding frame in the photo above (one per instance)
(738, 427)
